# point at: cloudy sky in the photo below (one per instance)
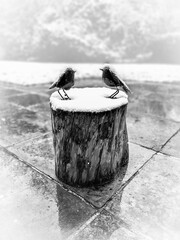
(90, 31)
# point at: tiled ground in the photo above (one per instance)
(145, 204)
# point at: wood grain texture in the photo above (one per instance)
(90, 148)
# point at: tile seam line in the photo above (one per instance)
(143, 146)
(140, 168)
(124, 185)
(136, 172)
(96, 215)
(162, 146)
(120, 189)
(169, 139)
(83, 226)
(47, 176)
(125, 225)
(169, 155)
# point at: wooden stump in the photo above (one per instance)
(90, 147)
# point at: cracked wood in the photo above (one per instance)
(90, 148)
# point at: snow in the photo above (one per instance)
(88, 100)
(27, 73)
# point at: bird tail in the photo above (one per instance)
(53, 85)
(126, 89)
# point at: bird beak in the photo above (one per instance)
(101, 69)
(74, 71)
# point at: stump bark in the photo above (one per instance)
(90, 147)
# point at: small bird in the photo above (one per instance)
(65, 82)
(111, 80)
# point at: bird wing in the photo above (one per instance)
(115, 78)
(120, 82)
(62, 80)
(58, 83)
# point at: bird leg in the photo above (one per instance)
(60, 94)
(115, 93)
(66, 94)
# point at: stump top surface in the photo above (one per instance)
(88, 100)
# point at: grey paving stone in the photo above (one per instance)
(164, 109)
(161, 105)
(150, 203)
(4, 105)
(18, 124)
(142, 89)
(150, 131)
(4, 143)
(107, 227)
(33, 207)
(8, 92)
(137, 157)
(173, 146)
(4, 94)
(43, 114)
(40, 153)
(28, 99)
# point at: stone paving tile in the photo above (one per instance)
(150, 131)
(28, 99)
(18, 124)
(138, 156)
(173, 146)
(4, 105)
(107, 227)
(40, 153)
(4, 143)
(159, 105)
(142, 89)
(8, 92)
(43, 114)
(33, 207)
(150, 203)
(37, 88)
(161, 100)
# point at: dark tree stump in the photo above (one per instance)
(90, 147)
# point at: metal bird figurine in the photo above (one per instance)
(65, 82)
(111, 80)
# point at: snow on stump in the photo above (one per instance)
(89, 136)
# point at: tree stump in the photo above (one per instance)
(89, 136)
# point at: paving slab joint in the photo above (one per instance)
(6, 150)
(169, 139)
(124, 185)
(83, 226)
(146, 147)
